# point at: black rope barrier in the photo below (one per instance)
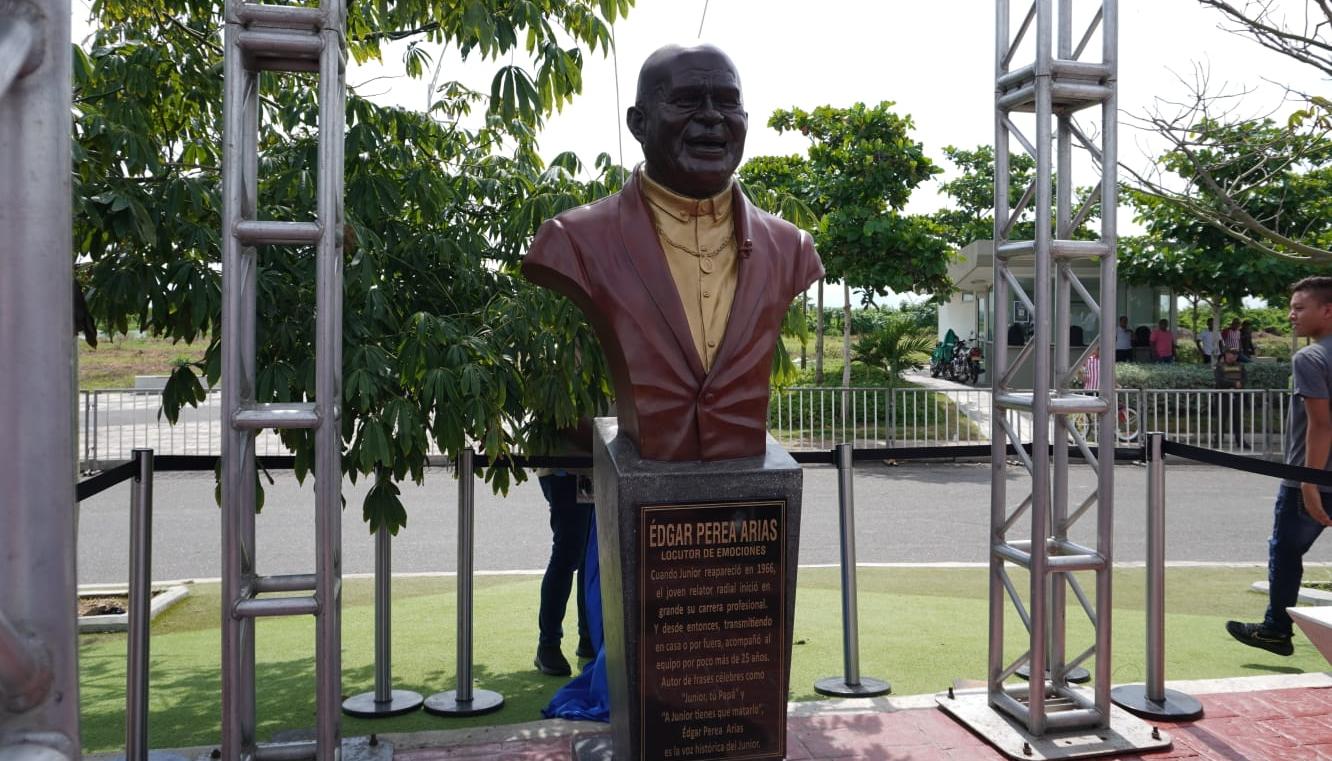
(1248, 464)
(124, 471)
(104, 480)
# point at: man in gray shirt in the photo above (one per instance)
(1300, 512)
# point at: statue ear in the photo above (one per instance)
(637, 123)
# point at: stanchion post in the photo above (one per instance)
(465, 700)
(384, 701)
(140, 605)
(1152, 700)
(851, 683)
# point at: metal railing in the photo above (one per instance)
(113, 422)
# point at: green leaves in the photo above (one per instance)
(896, 345)
(443, 343)
(860, 170)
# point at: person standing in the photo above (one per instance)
(1123, 340)
(569, 495)
(1230, 375)
(1163, 343)
(1230, 337)
(1091, 370)
(1300, 513)
(1207, 343)
(570, 519)
(1247, 350)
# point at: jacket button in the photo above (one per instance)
(709, 397)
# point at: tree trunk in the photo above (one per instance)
(846, 334)
(818, 340)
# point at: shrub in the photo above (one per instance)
(1139, 375)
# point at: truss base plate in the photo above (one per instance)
(364, 706)
(1177, 706)
(448, 704)
(837, 687)
(1126, 734)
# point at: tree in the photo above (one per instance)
(860, 169)
(971, 215)
(895, 346)
(444, 343)
(1220, 165)
(1194, 258)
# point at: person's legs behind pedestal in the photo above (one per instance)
(1293, 533)
(569, 526)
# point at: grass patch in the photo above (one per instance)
(919, 628)
(115, 361)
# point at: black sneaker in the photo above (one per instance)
(1254, 635)
(549, 660)
(585, 649)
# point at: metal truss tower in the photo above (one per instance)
(39, 686)
(1048, 716)
(280, 38)
(1054, 88)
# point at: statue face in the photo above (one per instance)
(690, 120)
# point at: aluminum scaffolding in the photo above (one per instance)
(39, 688)
(1054, 88)
(279, 38)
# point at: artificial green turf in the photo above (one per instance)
(920, 628)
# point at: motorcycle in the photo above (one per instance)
(974, 368)
(956, 361)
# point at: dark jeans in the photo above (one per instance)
(1293, 533)
(569, 522)
(1123, 355)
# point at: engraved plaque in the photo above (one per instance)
(712, 617)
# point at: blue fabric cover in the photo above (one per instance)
(586, 697)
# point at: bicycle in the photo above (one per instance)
(1126, 423)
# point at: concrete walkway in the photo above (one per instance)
(977, 407)
(1266, 718)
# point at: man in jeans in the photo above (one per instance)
(570, 520)
(1300, 512)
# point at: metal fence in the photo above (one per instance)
(113, 422)
(1249, 421)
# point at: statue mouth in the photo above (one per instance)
(706, 145)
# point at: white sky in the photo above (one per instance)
(934, 59)
(936, 63)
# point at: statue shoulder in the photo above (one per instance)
(591, 215)
(783, 233)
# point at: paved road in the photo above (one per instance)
(911, 513)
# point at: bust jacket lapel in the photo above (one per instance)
(643, 250)
(751, 280)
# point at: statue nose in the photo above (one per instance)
(708, 111)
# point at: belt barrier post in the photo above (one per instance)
(851, 683)
(465, 701)
(140, 604)
(384, 700)
(140, 608)
(1152, 700)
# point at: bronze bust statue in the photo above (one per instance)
(684, 281)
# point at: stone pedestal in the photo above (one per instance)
(698, 579)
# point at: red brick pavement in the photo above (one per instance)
(1272, 725)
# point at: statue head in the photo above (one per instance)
(690, 118)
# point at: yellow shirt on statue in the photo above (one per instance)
(698, 239)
